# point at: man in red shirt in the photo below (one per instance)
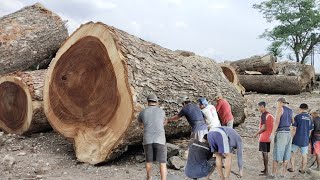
(265, 130)
(224, 110)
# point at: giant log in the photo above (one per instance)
(21, 104)
(99, 81)
(264, 64)
(28, 37)
(274, 84)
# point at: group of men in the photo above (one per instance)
(289, 134)
(212, 133)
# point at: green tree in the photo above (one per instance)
(298, 26)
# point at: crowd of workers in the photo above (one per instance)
(213, 139)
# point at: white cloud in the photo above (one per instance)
(181, 24)
(107, 5)
(212, 53)
(7, 7)
(175, 2)
(218, 5)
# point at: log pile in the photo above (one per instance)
(261, 74)
(97, 82)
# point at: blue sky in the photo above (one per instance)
(220, 29)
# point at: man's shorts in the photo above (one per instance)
(264, 146)
(198, 135)
(221, 141)
(282, 146)
(304, 150)
(316, 148)
(155, 152)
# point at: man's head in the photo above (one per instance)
(185, 100)
(262, 106)
(315, 112)
(203, 103)
(303, 108)
(218, 96)
(282, 101)
(152, 99)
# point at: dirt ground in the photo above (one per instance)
(50, 156)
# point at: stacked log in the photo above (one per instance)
(29, 37)
(264, 64)
(21, 105)
(292, 78)
(230, 74)
(99, 81)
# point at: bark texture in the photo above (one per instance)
(21, 106)
(273, 84)
(128, 68)
(28, 37)
(264, 64)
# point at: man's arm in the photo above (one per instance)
(277, 120)
(294, 127)
(174, 118)
(263, 128)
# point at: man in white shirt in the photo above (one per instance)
(209, 113)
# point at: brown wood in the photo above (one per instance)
(264, 64)
(230, 74)
(99, 80)
(28, 37)
(273, 84)
(21, 105)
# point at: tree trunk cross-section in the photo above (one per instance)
(21, 107)
(100, 78)
(28, 37)
(264, 64)
(232, 76)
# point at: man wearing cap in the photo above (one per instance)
(315, 136)
(264, 133)
(210, 113)
(302, 127)
(224, 110)
(282, 139)
(154, 140)
(195, 118)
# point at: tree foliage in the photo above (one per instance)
(298, 26)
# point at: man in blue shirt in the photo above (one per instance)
(302, 127)
(195, 118)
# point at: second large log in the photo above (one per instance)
(99, 82)
(21, 104)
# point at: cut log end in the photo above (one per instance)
(15, 105)
(89, 103)
(230, 73)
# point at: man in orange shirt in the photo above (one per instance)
(265, 130)
(224, 111)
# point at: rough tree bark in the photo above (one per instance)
(21, 105)
(274, 84)
(29, 36)
(230, 73)
(99, 81)
(264, 64)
